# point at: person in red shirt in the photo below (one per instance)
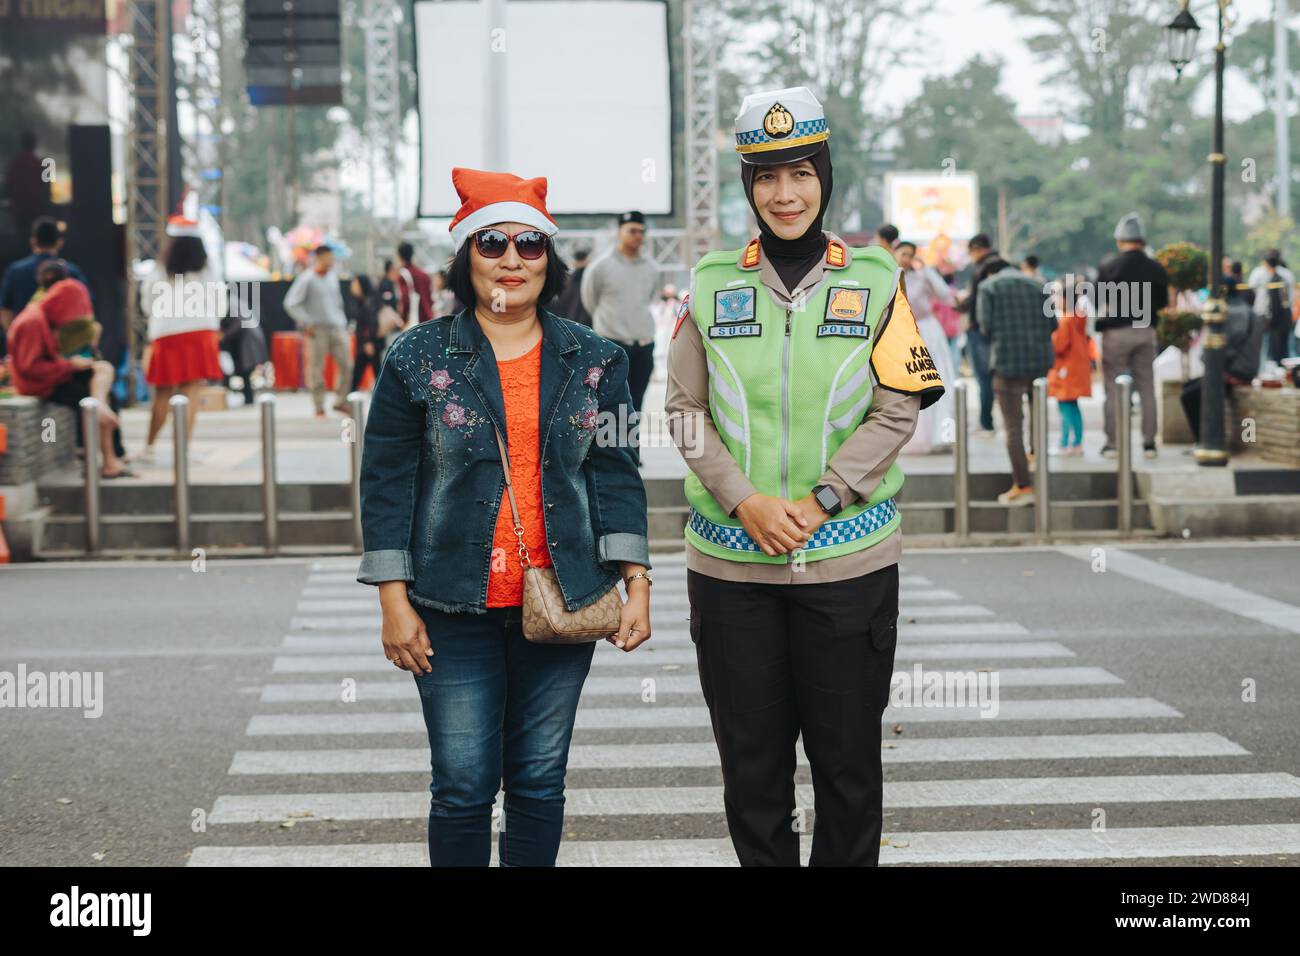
(414, 276)
(40, 370)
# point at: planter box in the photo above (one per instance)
(1276, 416)
(1172, 425)
(1173, 428)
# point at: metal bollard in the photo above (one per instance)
(1124, 453)
(181, 437)
(90, 437)
(961, 466)
(357, 402)
(1038, 429)
(270, 508)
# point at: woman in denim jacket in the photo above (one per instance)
(439, 539)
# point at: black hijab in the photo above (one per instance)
(792, 258)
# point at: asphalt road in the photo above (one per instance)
(222, 739)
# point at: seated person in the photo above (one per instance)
(40, 369)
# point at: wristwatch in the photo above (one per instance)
(827, 499)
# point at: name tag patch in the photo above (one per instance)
(731, 331)
(734, 305)
(853, 330)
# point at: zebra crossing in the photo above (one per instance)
(641, 760)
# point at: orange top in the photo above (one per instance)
(520, 386)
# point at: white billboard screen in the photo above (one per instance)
(586, 97)
(926, 205)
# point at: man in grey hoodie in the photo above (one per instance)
(315, 302)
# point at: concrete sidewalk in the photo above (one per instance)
(226, 446)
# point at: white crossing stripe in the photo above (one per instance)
(947, 631)
(671, 801)
(895, 751)
(918, 595)
(365, 612)
(332, 621)
(945, 846)
(633, 685)
(324, 578)
(944, 611)
(658, 715)
(1218, 594)
(990, 650)
(373, 662)
(339, 603)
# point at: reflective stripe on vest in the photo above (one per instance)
(834, 531)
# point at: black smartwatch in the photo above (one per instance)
(827, 499)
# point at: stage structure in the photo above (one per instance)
(148, 76)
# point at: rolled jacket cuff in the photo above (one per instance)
(624, 546)
(380, 566)
(730, 493)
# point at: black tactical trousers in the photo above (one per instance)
(780, 660)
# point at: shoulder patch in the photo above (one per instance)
(900, 358)
(683, 313)
(835, 257)
(749, 258)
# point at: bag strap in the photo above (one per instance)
(510, 492)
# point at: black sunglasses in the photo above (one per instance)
(492, 243)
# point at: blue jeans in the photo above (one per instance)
(980, 352)
(1071, 423)
(499, 709)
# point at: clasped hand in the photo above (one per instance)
(778, 525)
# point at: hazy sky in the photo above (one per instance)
(961, 28)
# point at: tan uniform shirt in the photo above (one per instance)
(854, 471)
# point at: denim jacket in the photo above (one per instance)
(431, 474)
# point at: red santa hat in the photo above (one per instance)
(182, 225)
(488, 198)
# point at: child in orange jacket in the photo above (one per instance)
(1071, 376)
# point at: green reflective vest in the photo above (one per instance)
(786, 387)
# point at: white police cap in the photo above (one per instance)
(780, 126)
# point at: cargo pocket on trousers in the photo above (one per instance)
(884, 631)
(884, 642)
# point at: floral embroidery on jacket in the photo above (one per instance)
(593, 376)
(455, 412)
(585, 419)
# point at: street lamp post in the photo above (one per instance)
(1181, 36)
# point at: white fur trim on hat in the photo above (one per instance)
(501, 212)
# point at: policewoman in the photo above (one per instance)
(796, 373)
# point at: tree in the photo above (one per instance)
(962, 122)
(1102, 50)
(838, 50)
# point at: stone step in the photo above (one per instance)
(144, 533)
(156, 498)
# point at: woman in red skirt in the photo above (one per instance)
(184, 300)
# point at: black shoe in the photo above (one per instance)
(1109, 451)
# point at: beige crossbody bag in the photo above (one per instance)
(544, 616)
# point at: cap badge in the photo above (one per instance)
(778, 123)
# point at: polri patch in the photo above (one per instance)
(734, 305)
(846, 305)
